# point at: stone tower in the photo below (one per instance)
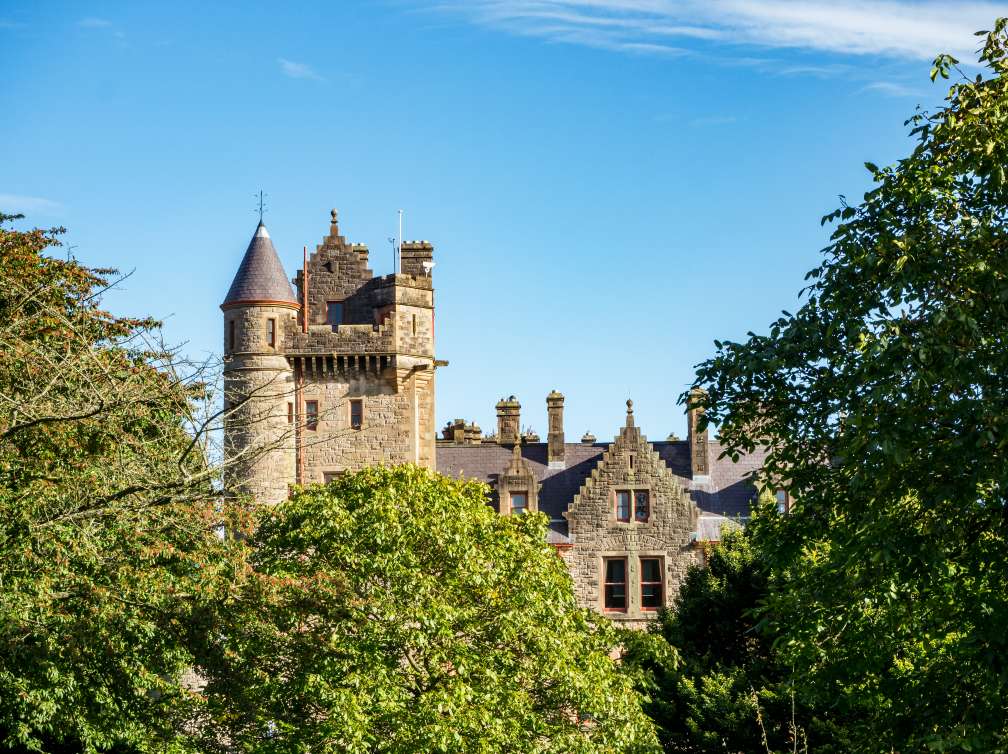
(335, 378)
(258, 380)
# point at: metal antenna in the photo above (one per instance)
(399, 256)
(262, 203)
(392, 241)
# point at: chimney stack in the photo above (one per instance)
(508, 420)
(555, 432)
(699, 451)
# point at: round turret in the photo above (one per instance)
(260, 398)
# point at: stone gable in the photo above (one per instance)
(630, 464)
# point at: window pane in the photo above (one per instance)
(519, 502)
(334, 313)
(623, 506)
(651, 595)
(271, 332)
(311, 414)
(641, 507)
(615, 596)
(650, 569)
(781, 500)
(356, 413)
(615, 571)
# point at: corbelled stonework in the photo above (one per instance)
(355, 356)
(339, 375)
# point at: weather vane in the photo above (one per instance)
(262, 203)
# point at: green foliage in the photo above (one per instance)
(107, 555)
(714, 681)
(883, 401)
(394, 611)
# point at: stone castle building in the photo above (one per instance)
(338, 373)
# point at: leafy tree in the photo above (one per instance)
(108, 557)
(715, 682)
(394, 611)
(884, 403)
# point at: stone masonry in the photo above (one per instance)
(338, 373)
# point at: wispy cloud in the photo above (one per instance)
(914, 29)
(891, 88)
(16, 203)
(298, 70)
(94, 23)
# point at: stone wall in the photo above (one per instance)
(258, 386)
(630, 463)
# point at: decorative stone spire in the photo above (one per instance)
(629, 413)
(260, 279)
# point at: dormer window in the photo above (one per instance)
(519, 502)
(334, 314)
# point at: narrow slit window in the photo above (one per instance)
(334, 314)
(231, 335)
(630, 460)
(651, 586)
(414, 324)
(615, 587)
(356, 413)
(642, 506)
(311, 415)
(271, 332)
(519, 502)
(290, 413)
(622, 505)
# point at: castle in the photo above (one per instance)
(340, 375)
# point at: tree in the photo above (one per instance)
(108, 507)
(884, 404)
(715, 682)
(393, 610)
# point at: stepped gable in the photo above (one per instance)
(729, 493)
(260, 278)
(338, 271)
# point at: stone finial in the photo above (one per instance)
(629, 413)
(588, 439)
(334, 215)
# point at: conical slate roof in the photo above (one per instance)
(261, 277)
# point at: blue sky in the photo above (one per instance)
(610, 185)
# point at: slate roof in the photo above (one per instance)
(260, 276)
(728, 494)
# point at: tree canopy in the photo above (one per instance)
(884, 402)
(108, 555)
(395, 611)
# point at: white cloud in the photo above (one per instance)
(298, 70)
(891, 88)
(28, 205)
(893, 28)
(94, 23)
